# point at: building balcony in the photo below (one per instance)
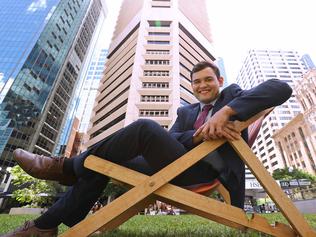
(154, 91)
(155, 78)
(157, 56)
(154, 105)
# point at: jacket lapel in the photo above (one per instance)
(219, 102)
(192, 116)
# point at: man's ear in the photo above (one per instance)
(221, 81)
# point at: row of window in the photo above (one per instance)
(155, 85)
(153, 113)
(155, 98)
(158, 42)
(159, 33)
(158, 23)
(156, 51)
(156, 73)
(157, 62)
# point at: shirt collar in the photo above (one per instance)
(212, 103)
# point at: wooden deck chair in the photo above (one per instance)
(215, 185)
(146, 189)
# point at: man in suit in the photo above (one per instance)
(146, 147)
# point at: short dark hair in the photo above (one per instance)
(205, 64)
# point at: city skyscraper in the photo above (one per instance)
(76, 136)
(297, 139)
(90, 88)
(308, 61)
(43, 47)
(154, 47)
(262, 65)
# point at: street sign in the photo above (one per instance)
(294, 183)
(304, 182)
(253, 184)
(284, 184)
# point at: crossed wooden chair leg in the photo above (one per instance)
(146, 189)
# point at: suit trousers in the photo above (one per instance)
(143, 146)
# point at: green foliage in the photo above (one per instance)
(113, 189)
(285, 174)
(32, 191)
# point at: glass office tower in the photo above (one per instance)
(42, 48)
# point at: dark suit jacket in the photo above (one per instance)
(246, 103)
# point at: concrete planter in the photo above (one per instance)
(26, 210)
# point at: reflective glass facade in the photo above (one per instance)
(21, 23)
(90, 89)
(48, 47)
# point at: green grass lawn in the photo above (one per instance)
(160, 226)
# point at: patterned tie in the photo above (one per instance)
(200, 120)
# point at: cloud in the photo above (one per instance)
(37, 5)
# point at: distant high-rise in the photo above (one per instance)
(90, 88)
(220, 63)
(262, 65)
(86, 98)
(308, 61)
(42, 47)
(154, 47)
(297, 140)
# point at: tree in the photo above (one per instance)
(31, 191)
(113, 190)
(285, 174)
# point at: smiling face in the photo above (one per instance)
(205, 85)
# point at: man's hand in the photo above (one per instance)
(218, 126)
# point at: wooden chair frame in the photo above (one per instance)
(146, 189)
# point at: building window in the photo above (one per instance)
(156, 73)
(160, 6)
(54, 35)
(55, 46)
(156, 51)
(159, 23)
(274, 163)
(153, 113)
(157, 62)
(157, 42)
(49, 44)
(155, 85)
(62, 19)
(159, 33)
(66, 12)
(155, 98)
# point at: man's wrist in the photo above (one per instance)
(228, 111)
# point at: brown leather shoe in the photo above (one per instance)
(30, 230)
(43, 167)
